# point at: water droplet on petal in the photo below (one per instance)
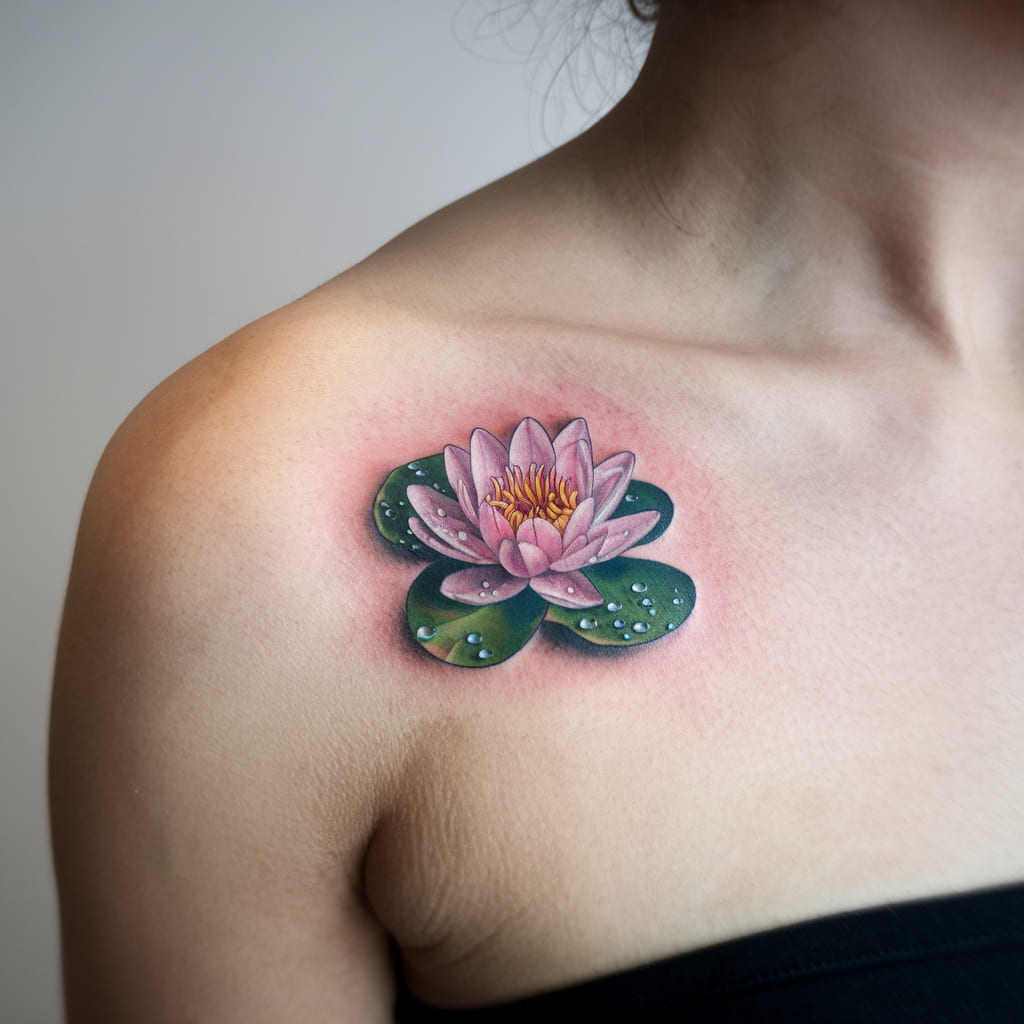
(570, 590)
(592, 559)
(646, 602)
(631, 497)
(641, 627)
(426, 633)
(474, 638)
(619, 623)
(638, 588)
(485, 653)
(614, 606)
(462, 535)
(441, 512)
(483, 593)
(485, 584)
(588, 623)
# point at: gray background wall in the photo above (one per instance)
(170, 170)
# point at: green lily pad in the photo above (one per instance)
(391, 508)
(473, 636)
(642, 497)
(641, 601)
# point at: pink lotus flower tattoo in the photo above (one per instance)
(528, 536)
(530, 515)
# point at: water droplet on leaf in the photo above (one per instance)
(474, 638)
(485, 653)
(588, 623)
(426, 633)
(614, 606)
(619, 623)
(631, 497)
(646, 602)
(638, 588)
(641, 627)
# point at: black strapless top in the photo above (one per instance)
(950, 960)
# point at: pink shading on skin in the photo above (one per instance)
(538, 553)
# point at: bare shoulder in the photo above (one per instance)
(221, 746)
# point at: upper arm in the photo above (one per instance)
(212, 798)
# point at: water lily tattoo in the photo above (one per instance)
(529, 533)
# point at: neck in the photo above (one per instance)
(835, 170)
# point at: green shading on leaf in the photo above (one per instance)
(391, 508)
(661, 606)
(641, 497)
(469, 635)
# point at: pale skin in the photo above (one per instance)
(787, 273)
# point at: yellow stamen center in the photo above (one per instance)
(535, 494)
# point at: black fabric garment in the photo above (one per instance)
(950, 960)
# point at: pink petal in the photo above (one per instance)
(541, 534)
(588, 554)
(568, 589)
(576, 464)
(639, 524)
(482, 586)
(458, 468)
(624, 532)
(522, 559)
(420, 531)
(570, 434)
(444, 517)
(494, 527)
(569, 550)
(488, 458)
(531, 446)
(466, 501)
(611, 478)
(578, 525)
